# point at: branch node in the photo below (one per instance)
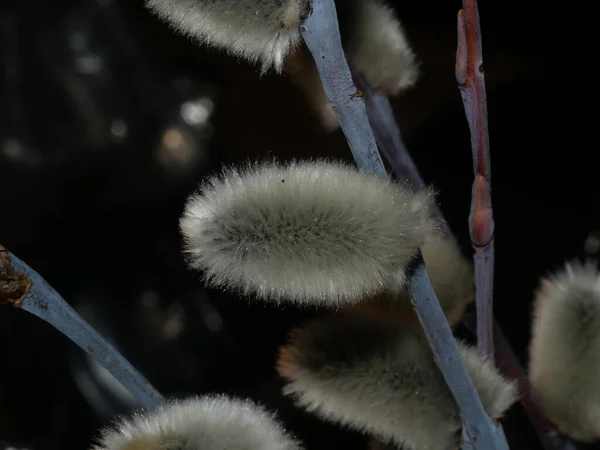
(481, 218)
(14, 286)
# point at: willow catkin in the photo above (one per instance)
(382, 379)
(565, 350)
(262, 31)
(306, 232)
(376, 45)
(206, 423)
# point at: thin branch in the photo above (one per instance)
(22, 287)
(389, 139)
(509, 366)
(322, 37)
(469, 75)
(321, 34)
(387, 134)
(479, 431)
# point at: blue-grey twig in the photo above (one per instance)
(384, 126)
(381, 379)
(23, 287)
(479, 431)
(322, 36)
(387, 134)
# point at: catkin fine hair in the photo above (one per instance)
(207, 423)
(451, 276)
(313, 232)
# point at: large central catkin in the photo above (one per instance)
(308, 232)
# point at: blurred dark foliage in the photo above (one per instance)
(108, 121)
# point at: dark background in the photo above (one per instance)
(96, 162)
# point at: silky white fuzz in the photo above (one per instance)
(263, 31)
(376, 45)
(565, 350)
(306, 232)
(382, 380)
(208, 423)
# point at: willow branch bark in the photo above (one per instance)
(471, 82)
(479, 431)
(22, 287)
(321, 34)
(509, 365)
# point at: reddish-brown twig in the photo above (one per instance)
(469, 75)
(471, 82)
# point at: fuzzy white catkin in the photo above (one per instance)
(376, 45)
(263, 31)
(565, 350)
(206, 423)
(382, 380)
(307, 232)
